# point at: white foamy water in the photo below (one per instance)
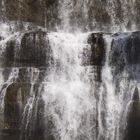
(67, 97)
(76, 106)
(112, 104)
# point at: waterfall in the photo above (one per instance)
(67, 97)
(69, 70)
(71, 15)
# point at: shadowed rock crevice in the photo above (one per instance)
(96, 54)
(133, 120)
(43, 13)
(97, 49)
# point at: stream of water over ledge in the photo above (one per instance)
(69, 70)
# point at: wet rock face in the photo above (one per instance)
(39, 12)
(125, 53)
(18, 94)
(32, 50)
(31, 57)
(97, 15)
(133, 121)
(95, 56)
(12, 107)
(127, 44)
(97, 49)
(26, 10)
(25, 61)
(24, 84)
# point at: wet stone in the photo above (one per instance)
(97, 49)
(95, 56)
(133, 120)
(34, 51)
(125, 52)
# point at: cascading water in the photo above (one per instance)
(69, 104)
(74, 83)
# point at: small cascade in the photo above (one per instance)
(78, 86)
(69, 70)
(67, 97)
(29, 115)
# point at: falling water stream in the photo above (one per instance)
(67, 97)
(73, 81)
